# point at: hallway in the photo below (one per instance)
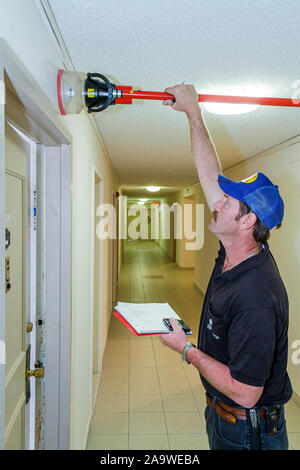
(148, 398)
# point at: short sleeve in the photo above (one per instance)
(251, 345)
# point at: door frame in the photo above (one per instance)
(2, 261)
(57, 331)
(114, 256)
(96, 178)
(45, 127)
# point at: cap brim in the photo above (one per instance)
(232, 188)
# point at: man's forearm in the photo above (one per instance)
(218, 375)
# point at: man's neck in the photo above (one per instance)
(238, 251)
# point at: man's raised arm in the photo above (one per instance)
(205, 156)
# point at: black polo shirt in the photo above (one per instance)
(244, 324)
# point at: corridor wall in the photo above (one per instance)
(30, 37)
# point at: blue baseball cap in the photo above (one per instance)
(260, 194)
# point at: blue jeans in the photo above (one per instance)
(225, 436)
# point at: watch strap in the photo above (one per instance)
(185, 350)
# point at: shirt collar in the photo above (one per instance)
(244, 266)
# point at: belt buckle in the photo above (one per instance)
(253, 417)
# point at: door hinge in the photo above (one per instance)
(7, 274)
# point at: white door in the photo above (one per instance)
(16, 151)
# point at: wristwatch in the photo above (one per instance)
(185, 350)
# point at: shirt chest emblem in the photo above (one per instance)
(209, 326)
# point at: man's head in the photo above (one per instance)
(257, 203)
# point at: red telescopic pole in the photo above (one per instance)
(128, 94)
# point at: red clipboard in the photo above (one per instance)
(130, 328)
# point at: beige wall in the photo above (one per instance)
(167, 243)
(187, 258)
(132, 220)
(191, 195)
(88, 156)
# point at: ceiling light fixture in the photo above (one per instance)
(244, 92)
(224, 108)
(153, 189)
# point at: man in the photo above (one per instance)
(242, 344)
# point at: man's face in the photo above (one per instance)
(223, 222)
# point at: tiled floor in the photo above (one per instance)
(148, 398)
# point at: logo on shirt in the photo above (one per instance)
(209, 327)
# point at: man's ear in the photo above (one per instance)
(248, 221)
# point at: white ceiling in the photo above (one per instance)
(221, 46)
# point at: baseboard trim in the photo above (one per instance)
(87, 433)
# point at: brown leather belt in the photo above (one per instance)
(229, 413)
